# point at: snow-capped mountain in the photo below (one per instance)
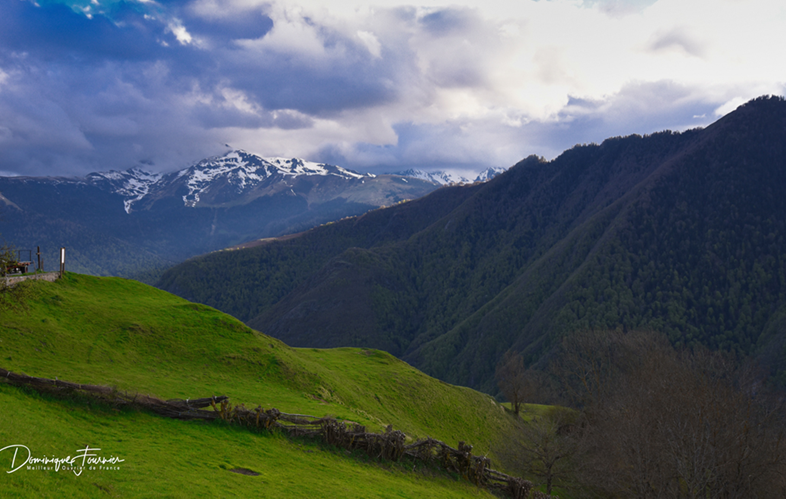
(133, 184)
(215, 180)
(436, 177)
(238, 172)
(489, 173)
(446, 178)
(240, 175)
(123, 222)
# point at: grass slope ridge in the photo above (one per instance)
(678, 232)
(124, 333)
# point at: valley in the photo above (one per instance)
(680, 233)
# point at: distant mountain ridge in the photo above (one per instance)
(237, 172)
(683, 233)
(125, 222)
(446, 178)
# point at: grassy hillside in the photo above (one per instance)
(137, 338)
(169, 458)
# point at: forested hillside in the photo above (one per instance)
(678, 232)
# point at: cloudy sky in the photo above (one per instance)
(379, 85)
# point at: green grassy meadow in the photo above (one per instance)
(136, 338)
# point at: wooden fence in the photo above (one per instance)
(390, 445)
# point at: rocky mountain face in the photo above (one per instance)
(683, 233)
(128, 222)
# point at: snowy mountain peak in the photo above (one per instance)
(297, 166)
(243, 170)
(447, 178)
(436, 177)
(133, 184)
(489, 173)
(216, 180)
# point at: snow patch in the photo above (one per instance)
(436, 177)
(489, 173)
(447, 178)
(133, 184)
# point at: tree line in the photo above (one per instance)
(640, 418)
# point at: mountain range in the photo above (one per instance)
(128, 222)
(447, 178)
(683, 233)
(237, 177)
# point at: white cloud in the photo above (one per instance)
(730, 105)
(292, 34)
(180, 32)
(371, 42)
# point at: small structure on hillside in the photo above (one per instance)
(20, 266)
(14, 269)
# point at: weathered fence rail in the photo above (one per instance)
(390, 445)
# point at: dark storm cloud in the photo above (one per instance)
(224, 30)
(78, 93)
(279, 81)
(56, 32)
(215, 117)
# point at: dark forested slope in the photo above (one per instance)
(680, 232)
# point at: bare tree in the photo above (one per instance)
(515, 381)
(662, 423)
(589, 364)
(543, 449)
